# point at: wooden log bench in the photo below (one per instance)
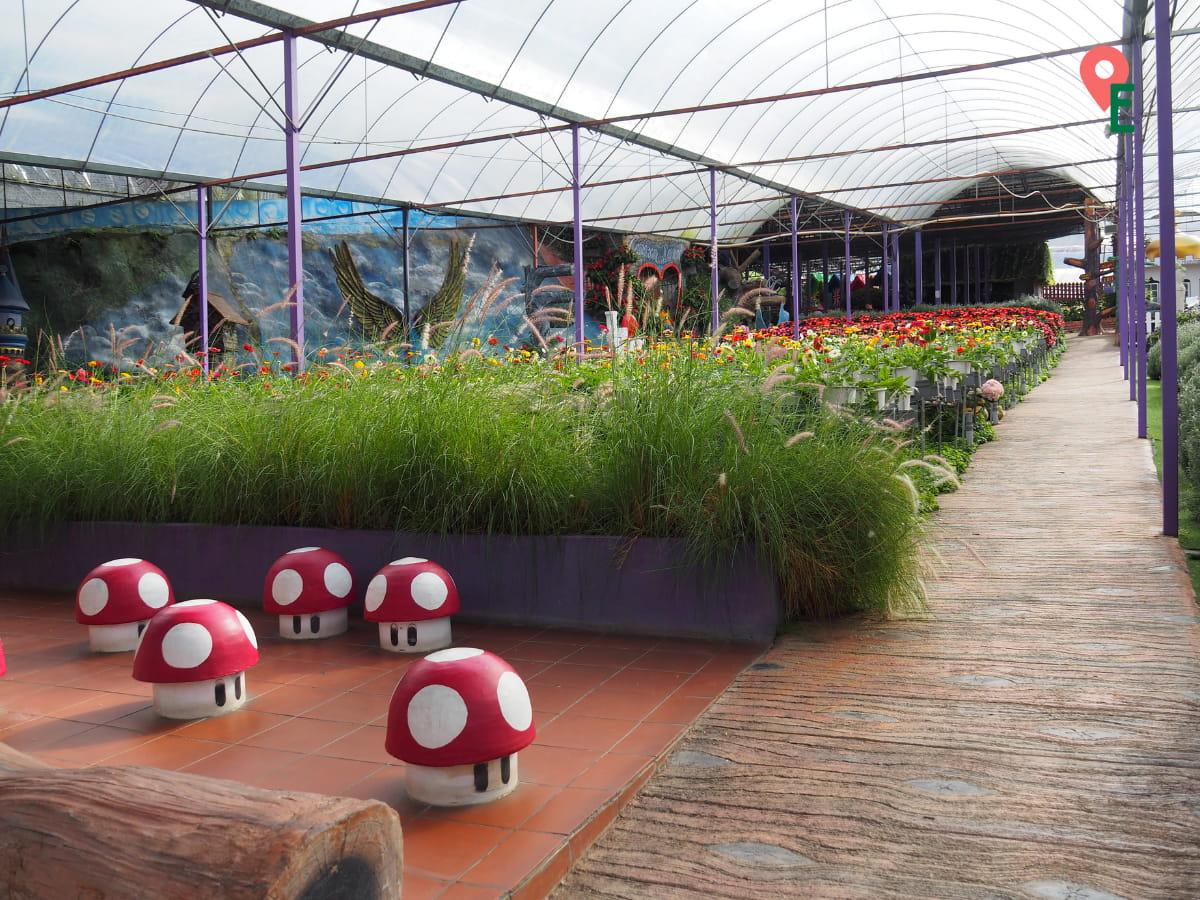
(133, 831)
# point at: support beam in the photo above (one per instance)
(896, 269)
(1139, 233)
(406, 237)
(793, 209)
(1166, 257)
(713, 255)
(848, 266)
(577, 242)
(295, 216)
(937, 271)
(202, 278)
(885, 281)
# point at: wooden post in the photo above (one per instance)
(138, 832)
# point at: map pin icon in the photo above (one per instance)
(1098, 85)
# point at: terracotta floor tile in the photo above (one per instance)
(612, 771)
(576, 676)
(568, 810)
(417, 888)
(288, 699)
(53, 671)
(549, 650)
(507, 812)
(645, 680)
(384, 683)
(689, 661)
(527, 668)
(241, 763)
(318, 774)
(95, 745)
(361, 709)
(513, 860)
(555, 766)
(342, 678)
(443, 849)
(101, 707)
(36, 734)
(167, 752)
(364, 744)
(554, 698)
(605, 655)
(584, 732)
(298, 735)
(649, 739)
(118, 679)
(626, 705)
(18, 697)
(145, 720)
(279, 670)
(461, 891)
(679, 710)
(232, 727)
(543, 881)
(386, 785)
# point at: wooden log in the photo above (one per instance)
(133, 832)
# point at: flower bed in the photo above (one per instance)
(725, 448)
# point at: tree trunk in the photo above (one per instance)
(134, 832)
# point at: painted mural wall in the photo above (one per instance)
(106, 283)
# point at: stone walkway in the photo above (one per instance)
(1036, 734)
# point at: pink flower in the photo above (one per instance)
(991, 390)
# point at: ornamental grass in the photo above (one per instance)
(681, 442)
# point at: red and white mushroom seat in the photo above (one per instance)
(309, 589)
(196, 654)
(117, 598)
(458, 718)
(412, 599)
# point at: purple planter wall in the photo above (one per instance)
(556, 581)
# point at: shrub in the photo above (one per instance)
(1187, 352)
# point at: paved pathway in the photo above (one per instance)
(1035, 735)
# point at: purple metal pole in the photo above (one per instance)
(577, 239)
(1166, 261)
(895, 270)
(295, 215)
(918, 269)
(202, 280)
(1139, 234)
(1124, 286)
(937, 271)
(885, 281)
(846, 275)
(712, 262)
(795, 214)
(407, 310)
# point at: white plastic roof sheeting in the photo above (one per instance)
(464, 105)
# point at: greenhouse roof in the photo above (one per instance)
(899, 111)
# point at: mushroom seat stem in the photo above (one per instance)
(115, 638)
(462, 785)
(197, 699)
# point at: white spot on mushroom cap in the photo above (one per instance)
(453, 653)
(286, 586)
(376, 591)
(302, 550)
(407, 561)
(154, 590)
(124, 561)
(436, 715)
(248, 629)
(514, 701)
(199, 602)
(186, 645)
(429, 590)
(93, 596)
(338, 580)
